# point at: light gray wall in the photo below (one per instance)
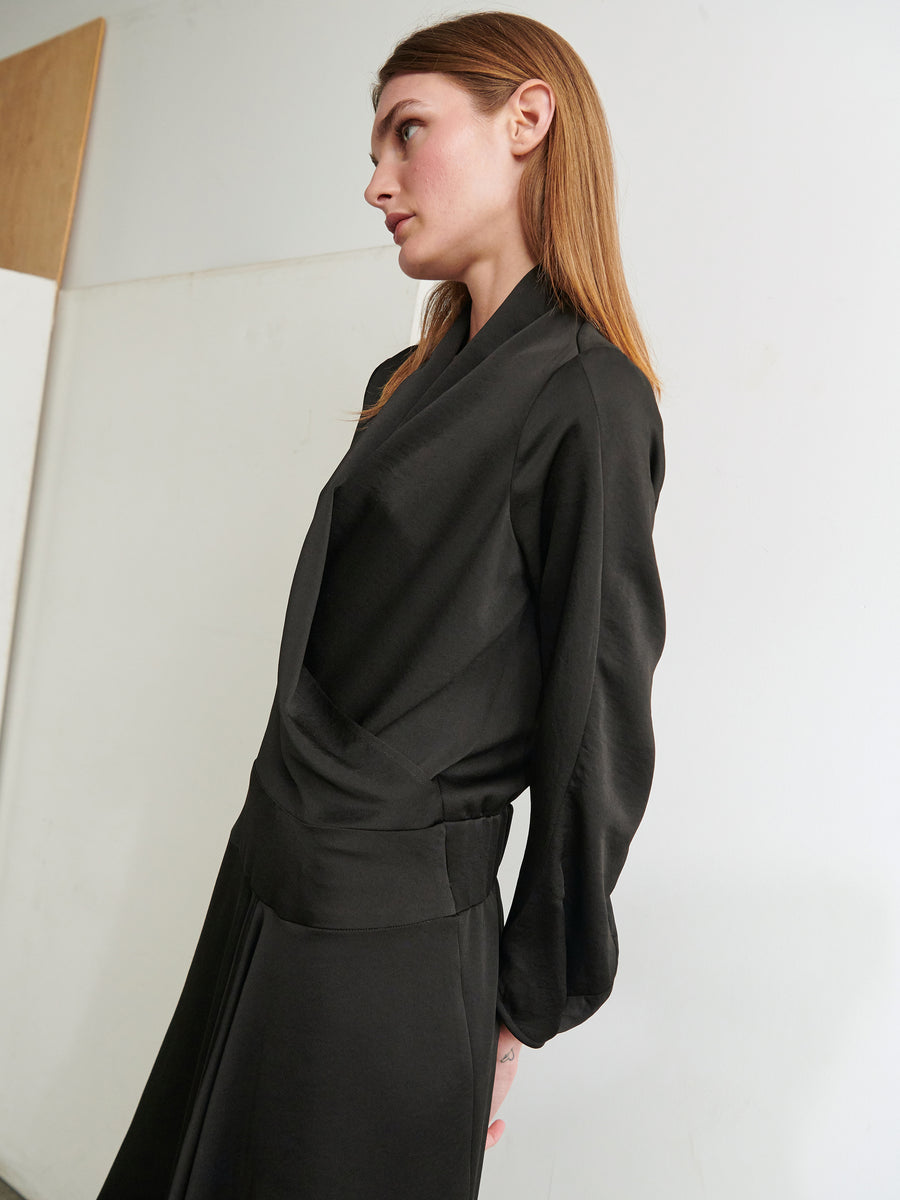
(27, 304)
(750, 1047)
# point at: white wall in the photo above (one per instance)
(751, 1045)
(27, 304)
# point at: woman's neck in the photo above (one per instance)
(490, 283)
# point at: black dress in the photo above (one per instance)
(476, 610)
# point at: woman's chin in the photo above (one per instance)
(417, 268)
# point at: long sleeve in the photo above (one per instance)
(588, 471)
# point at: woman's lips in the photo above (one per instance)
(399, 227)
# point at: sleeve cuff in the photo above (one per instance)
(577, 1010)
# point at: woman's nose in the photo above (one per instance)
(380, 187)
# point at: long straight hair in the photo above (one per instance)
(567, 199)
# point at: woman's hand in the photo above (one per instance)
(508, 1048)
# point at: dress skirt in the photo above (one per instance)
(337, 1032)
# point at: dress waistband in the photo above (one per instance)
(345, 877)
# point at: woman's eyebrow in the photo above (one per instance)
(388, 119)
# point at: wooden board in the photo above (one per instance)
(46, 93)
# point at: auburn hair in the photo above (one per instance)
(568, 196)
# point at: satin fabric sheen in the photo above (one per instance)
(476, 610)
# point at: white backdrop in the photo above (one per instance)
(27, 304)
(751, 1045)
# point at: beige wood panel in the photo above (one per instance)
(46, 93)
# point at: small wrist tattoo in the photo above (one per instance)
(508, 1056)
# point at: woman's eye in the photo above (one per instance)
(404, 130)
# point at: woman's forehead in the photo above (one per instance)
(422, 85)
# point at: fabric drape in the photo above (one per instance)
(476, 610)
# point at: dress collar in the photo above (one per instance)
(454, 357)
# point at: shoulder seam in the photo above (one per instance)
(543, 388)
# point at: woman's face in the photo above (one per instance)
(446, 179)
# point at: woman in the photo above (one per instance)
(476, 610)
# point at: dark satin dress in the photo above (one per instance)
(476, 610)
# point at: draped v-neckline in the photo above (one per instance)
(453, 358)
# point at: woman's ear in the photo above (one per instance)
(531, 108)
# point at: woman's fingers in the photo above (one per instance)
(494, 1133)
(508, 1049)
